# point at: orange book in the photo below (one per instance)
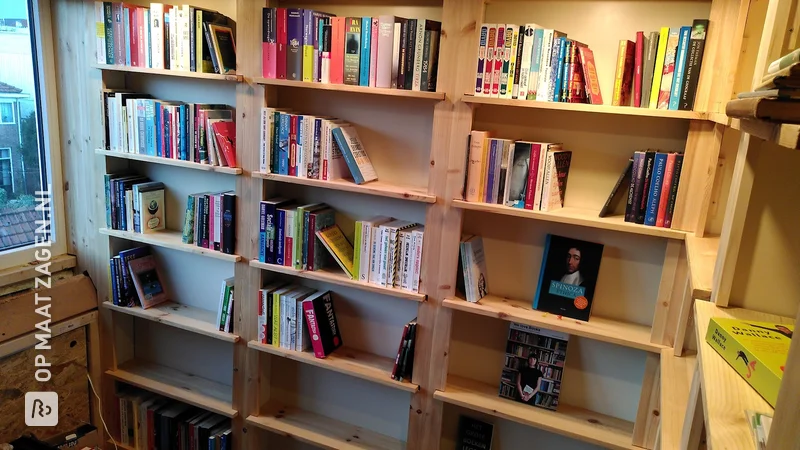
(669, 173)
(590, 76)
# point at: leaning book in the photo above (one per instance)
(534, 366)
(148, 281)
(568, 277)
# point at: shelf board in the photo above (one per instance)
(584, 107)
(210, 395)
(349, 88)
(377, 187)
(726, 395)
(576, 423)
(785, 135)
(169, 162)
(176, 315)
(574, 216)
(702, 256)
(171, 73)
(169, 239)
(347, 361)
(597, 328)
(321, 431)
(336, 276)
(676, 382)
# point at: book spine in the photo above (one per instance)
(643, 188)
(417, 267)
(228, 243)
(637, 71)
(277, 324)
(107, 49)
(490, 173)
(294, 51)
(669, 171)
(281, 43)
(263, 246)
(656, 183)
(366, 51)
(651, 48)
(658, 68)
(518, 46)
(616, 99)
(558, 69)
(544, 65)
(536, 61)
(337, 50)
(533, 177)
(507, 73)
(680, 69)
(400, 350)
(426, 61)
(352, 54)
(635, 170)
(565, 86)
(406, 28)
(499, 53)
(383, 259)
(481, 59)
(526, 39)
(308, 46)
(475, 166)
(419, 47)
(280, 224)
(309, 244)
(325, 63)
(488, 65)
(365, 254)
(285, 124)
(292, 159)
(376, 241)
(668, 73)
(673, 190)
(118, 32)
(693, 63)
(271, 219)
(373, 52)
(269, 43)
(383, 62)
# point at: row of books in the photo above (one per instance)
(384, 51)
(520, 174)
(134, 203)
(210, 221)
(388, 252)
(180, 37)
(403, 368)
(149, 421)
(202, 133)
(299, 318)
(306, 146)
(660, 71)
(653, 187)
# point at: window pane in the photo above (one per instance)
(22, 167)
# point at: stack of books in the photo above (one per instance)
(210, 221)
(193, 132)
(404, 361)
(306, 146)
(653, 187)
(148, 421)
(520, 174)
(225, 310)
(298, 318)
(384, 51)
(180, 37)
(136, 279)
(777, 97)
(134, 203)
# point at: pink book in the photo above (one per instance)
(373, 53)
(337, 50)
(211, 221)
(269, 46)
(499, 51)
(269, 60)
(383, 62)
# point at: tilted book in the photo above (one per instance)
(354, 154)
(340, 248)
(147, 281)
(593, 93)
(624, 76)
(322, 325)
(473, 261)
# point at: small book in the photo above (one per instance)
(147, 281)
(322, 325)
(623, 80)
(473, 261)
(474, 434)
(354, 154)
(223, 47)
(339, 247)
(589, 68)
(616, 193)
(225, 135)
(568, 277)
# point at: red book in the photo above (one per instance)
(337, 50)
(133, 38)
(288, 246)
(399, 350)
(225, 133)
(143, 27)
(293, 146)
(268, 43)
(591, 82)
(282, 44)
(533, 174)
(499, 51)
(637, 73)
(663, 200)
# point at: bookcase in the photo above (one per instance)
(613, 392)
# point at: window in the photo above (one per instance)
(28, 132)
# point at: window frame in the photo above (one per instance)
(11, 163)
(13, 112)
(40, 23)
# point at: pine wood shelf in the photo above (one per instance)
(676, 381)
(586, 108)
(620, 333)
(576, 423)
(321, 431)
(726, 395)
(350, 88)
(191, 389)
(785, 135)
(171, 73)
(702, 256)
(349, 361)
(180, 316)
(169, 239)
(336, 276)
(376, 188)
(169, 162)
(574, 216)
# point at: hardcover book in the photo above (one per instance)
(638, 61)
(697, 43)
(223, 47)
(651, 48)
(568, 277)
(534, 366)
(323, 328)
(473, 262)
(294, 39)
(474, 434)
(147, 281)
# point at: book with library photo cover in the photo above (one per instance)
(568, 277)
(534, 365)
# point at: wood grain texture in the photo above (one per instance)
(661, 332)
(585, 108)
(170, 73)
(169, 239)
(702, 255)
(693, 423)
(352, 89)
(26, 272)
(377, 187)
(676, 381)
(785, 434)
(169, 162)
(648, 415)
(184, 317)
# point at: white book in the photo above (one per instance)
(100, 27)
(264, 139)
(405, 258)
(368, 231)
(376, 253)
(217, 219)
(157, 35)
(544, 67)
(396, 54)
(390, 261)
(527, 54)
(229, 313)
(185, 41)
(173, 33)
(418, 234)
(418, 47)
(482, 41)
(473, 261)
(337, 166)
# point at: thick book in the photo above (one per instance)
(228, 243)
(680, 68)
(568, 276)
(534, 366)
(322, 325)
(776, 110)
(656, 184)
(474, 434)
(623, 80)
(383, 63)
(282, 42)
(294, 39)
(669, 171)
(337, 50)
(593, 94)
(651, 48)
(354, 154)
(352, 50)
(694, 60)
(222, 46)
(616, 192)
(638, 62)
(477, 144)
(643, 186)
(473, 262)
(658, 67)
(148, 281)
(668, 71)
(757, 351)
(520, 170)
(488, 66)
(673, 190)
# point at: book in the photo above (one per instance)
(668, 72)
(520, 170)
(339, 247)
(636, 168)
(352, 51)
(323, 328)
(478, 141)
(638, 62)
(623, 80)
(147, 281)
(527, 38)
(225, 297)
(150, 207)
(223, 47)
(643, 186)
(474, 434)
(593, 93)
(533, 366)
(225, 138)
(473, 262)
(554, 181)
(673, 190)
(755, 350)
(680, 68)
(782, 93)
(760, 424)
(775, 66)
(669, 172)
(784, 78)
(656, 184)
(354, 154)
(366, 51)
(783, 111)
(651, 48)
(616, 192)
(658, 67)
(488, 71)
(499, 55)
(568, 276)
(482, 54)
(384, 61)
(269, 46)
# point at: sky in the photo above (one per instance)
(17, 9)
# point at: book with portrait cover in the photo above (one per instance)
(568, 277)
(534, 366)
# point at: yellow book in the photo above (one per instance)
(340, 248)
(484, 168)
(308, 63)
(276, 314)
(659, 67)
(616, 99)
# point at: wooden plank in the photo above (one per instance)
(170, 73)
(702, 255)
(336, 276)
(349, 361)
(693, 422)
(785, 434)
(660, 333)
(172, 383)
(352, 89)
(585, 108)
(676, 382)
(576, 423)
(726, 395)
(20, 286)
(575, 216)
(95, 371)
(21, 343)
(321, 431)
(648, 415)
(169, 239)
(684, 320)
(184, 317)
(28, 271)
(169, 162)
(620, 333)
(774, 37)
(376, 188)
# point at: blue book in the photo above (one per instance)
(270, 219)
(276, 123)
(487, 196)
(680, 68)
(159, 130)
(562, 53)
(262, 232)
(554, 58)
(299, 154)
(129, 295)
(113, 266)
(352, 148)
(150, 127)
(126, 25)
(280, 224)
(656, 182)
(167, 135)
(536, 63)
(283, 144)
(366, 34)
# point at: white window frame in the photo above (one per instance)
(11, 161)
(13, 112)
(44, 46)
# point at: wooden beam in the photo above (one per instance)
(645, 429)
(672, 273)
(28, 271)
(774, 36)
(693, 420)
(23, 342)
(785, 434)
(684, 322)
